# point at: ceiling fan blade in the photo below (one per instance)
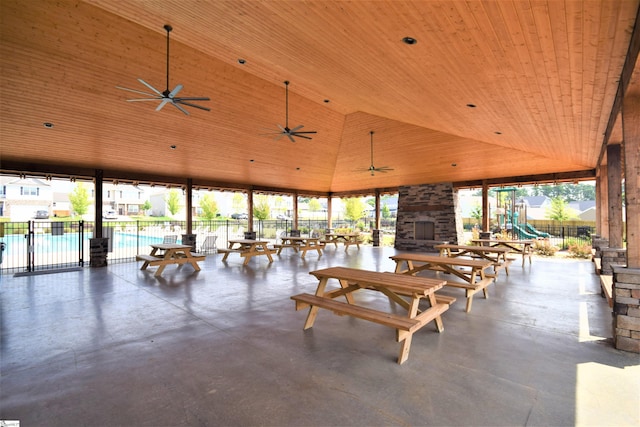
(181, 101)
(175, 91)
(143, 99)
(162, 104)
(301, 136)
(296, 128)
(153, 89)
(135, 91)
(282, 129)
(180, 108)
(280, 135)
(192, 98)
(291, 137)
(303, 132)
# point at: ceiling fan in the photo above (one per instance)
(285, 131)
(373, 169)
(167, 97)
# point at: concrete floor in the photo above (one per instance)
(116, 346)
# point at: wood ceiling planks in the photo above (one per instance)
(542, 75)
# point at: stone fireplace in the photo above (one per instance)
(428, 215)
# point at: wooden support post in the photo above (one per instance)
(189, 196)
(485, 207)
(602, 202)
(99, 179)
(614, 178)
(631, 146)
(250, 208)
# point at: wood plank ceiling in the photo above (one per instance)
(541, 76)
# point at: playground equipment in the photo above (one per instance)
(509, 212)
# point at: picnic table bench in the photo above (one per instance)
(301, 244)
(471, 271)
(524, 247)
(167, 253)
(497, 255)
(348, 239)
(407, 291)
(247, 248)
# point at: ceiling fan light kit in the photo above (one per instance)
(167, 96)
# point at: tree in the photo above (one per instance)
(173, 201)
(314, 205)
(560, 210)
(238, 202)
(386, 212)
(209, 206)
(261, 209)
(146, 206)
(354, 208)
(476, 213)
(79, 199)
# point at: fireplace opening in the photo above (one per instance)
(424, 230)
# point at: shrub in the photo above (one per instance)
(545, 248)
(580, 250)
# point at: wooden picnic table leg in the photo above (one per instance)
(348, 296)
(313, 310)
(408, 336)
(247, 257)
(160, 270)
(469, 295)
(438, 319)
(193, 262)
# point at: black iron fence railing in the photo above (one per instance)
(46, 245)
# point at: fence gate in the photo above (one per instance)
(42, 245)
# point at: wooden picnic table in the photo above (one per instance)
(497, 255)
(471, 271)
(407, 291)
(524, 247)
(247, 248)
(302, 244)
(347, 239)
(164, 254)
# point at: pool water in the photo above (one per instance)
(44, 243)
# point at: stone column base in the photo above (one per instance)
(598, 244)
(611, 257)
(626, 308)
(190, 239)
(98, 251)
(376, 236)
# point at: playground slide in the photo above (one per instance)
(522, 233)
(531, 229)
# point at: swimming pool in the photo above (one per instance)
(16, 244)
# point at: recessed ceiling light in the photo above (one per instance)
(454, 164)
(471, 105)
(297, 169)
(251, 161)
(48, 125)
(241, 61)
(498, 132)
(173, 147)
(409, 40)
(326, 101)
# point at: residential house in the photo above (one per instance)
(21, 198)
(123, 199)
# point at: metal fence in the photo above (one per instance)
(34, 246)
